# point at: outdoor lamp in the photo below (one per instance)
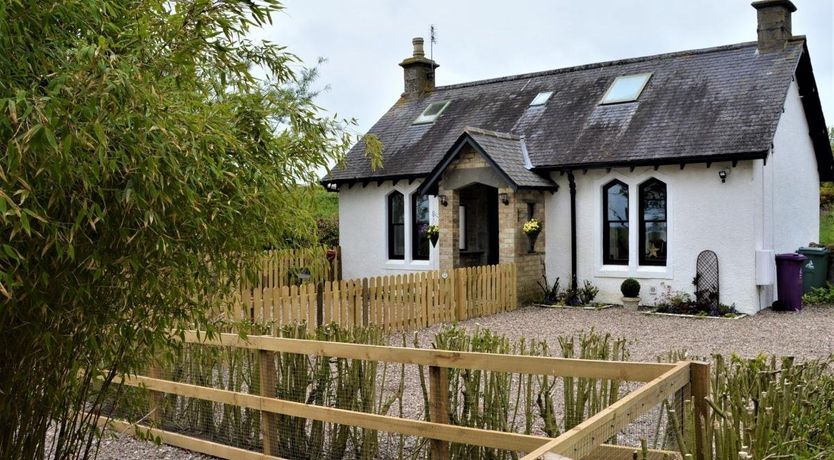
(723, 175)
(504, 198)
(443, 201)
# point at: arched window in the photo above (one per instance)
(615, 223)
(419, 224)
(396, 226)
(653, 236)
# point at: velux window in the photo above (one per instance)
(396, 226)
(431, 112)
(626, 88)
(541, 98)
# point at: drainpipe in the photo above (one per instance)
(572, 186)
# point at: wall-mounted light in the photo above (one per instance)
(723, 175)
(443, 200)
(505, 199)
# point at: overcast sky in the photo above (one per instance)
(363, 41)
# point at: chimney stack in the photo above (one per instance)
(774, 23)
(418, 72)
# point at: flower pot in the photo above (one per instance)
(434, 238)
(631, 303)
(531, 242)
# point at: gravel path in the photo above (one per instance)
(808, 334)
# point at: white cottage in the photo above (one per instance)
(634, 167)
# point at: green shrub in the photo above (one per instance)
(819, 296)
(630, 287)
(555, 295)
(328, 231)
(587, 293)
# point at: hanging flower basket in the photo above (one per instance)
(434, 238)
(531, 242)
(433, 233)
(532, 228)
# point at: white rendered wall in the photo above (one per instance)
(795, 180)
(702, 213)
(363, 231)
(789, 182)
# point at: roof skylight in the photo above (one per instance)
(541, 98)
(432, 112)
(626, 88)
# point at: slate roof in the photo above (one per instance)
(508, 152)
(701, 105)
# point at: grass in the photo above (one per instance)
(827, 226)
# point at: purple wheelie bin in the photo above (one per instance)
(789, 280)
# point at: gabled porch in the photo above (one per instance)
(486, 193)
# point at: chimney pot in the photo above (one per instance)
(774, 23)
(418, 46)
(418, 71)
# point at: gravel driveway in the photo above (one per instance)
(808, 334)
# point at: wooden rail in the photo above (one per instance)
(586, 440)
(582, 439)
(524, 364)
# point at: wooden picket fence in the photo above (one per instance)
(395, 302)
(287, 267)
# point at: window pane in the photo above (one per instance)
(398, 239)
(396, 226)
(654, 201)
(618, 242)
(618, 202)
(655, 241)
(421, 210)
(397, 208)
(419, 227)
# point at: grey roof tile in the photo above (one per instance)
(698, 104)
(507, 151)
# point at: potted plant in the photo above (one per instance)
(532, 228)
(433, 233)
(631, 293)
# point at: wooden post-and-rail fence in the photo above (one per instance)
(587, 440)
(396, 302)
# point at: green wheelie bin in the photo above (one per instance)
(815, 270)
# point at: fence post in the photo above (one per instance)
(699, 379)
(439, 408)
(269, 421)
(366, 300)
(425, 291)
(460, 293)
(157, 398)
(319, 303)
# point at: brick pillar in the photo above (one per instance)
(513, 244)
(449, 221)
(506, 227)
